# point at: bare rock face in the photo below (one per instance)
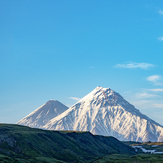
(105, 112)
(43, 114)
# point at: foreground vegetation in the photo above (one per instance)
(20, 144)
(24, 144)
(112, 158)
(139, 158)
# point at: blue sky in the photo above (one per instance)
(64, 49)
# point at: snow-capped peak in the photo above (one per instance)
(105, 112)
(43, 114)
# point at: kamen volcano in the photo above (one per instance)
(40, 117)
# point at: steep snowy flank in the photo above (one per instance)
(43, 114)
(105, 112)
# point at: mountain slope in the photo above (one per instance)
(43, 114)
(105, 112)
(25, 144)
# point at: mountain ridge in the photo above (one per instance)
(105, 112)
(102, 112)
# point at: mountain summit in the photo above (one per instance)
(43, 114)
(105, 112)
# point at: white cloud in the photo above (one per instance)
(145, 95)
(160, 38)
(156, 79)
(153, 78)
(161, 12)
(141, 104)
(75, 98)
(158, 105)
(156, 90)
(134, 65)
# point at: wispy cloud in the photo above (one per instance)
(158, 105)
(145, 95)
(160, 38)
(153, 78)
(75, 98)
(134, 65)
(161, 12)
(143, 104)
(156, 90)
(156, 79)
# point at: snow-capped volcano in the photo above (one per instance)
(105, 112)
(43, 114)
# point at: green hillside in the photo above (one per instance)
(139, 158)
(25, 144)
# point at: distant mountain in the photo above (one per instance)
(31, 145)
(43, 114)
(105, 112)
